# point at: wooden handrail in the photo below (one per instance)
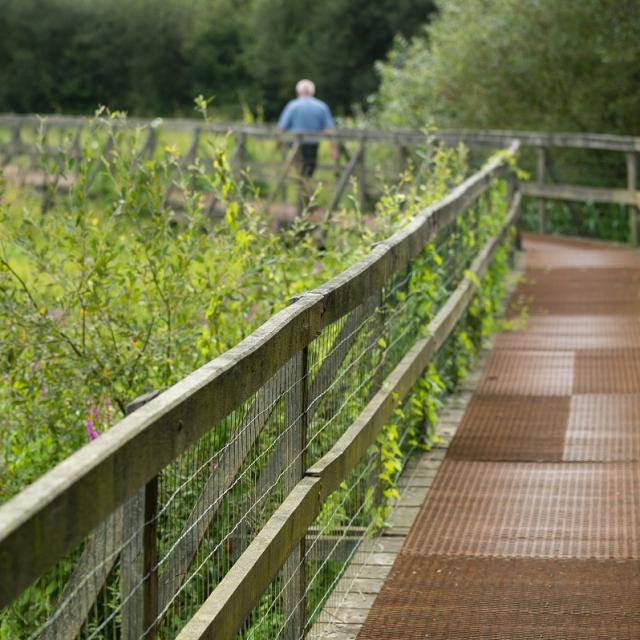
(52, 516)
(225, 610)
(485, 138)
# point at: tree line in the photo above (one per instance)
(548, 65)
(151, 57)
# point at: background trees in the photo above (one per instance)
(151, 57)
(527, 64)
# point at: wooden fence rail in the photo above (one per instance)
(227, 607)
(106, 495)
(400, 141)
(53, 515)
(108, 491)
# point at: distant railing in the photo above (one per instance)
(231, 502)
(367, 154)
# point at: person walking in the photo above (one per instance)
(305, 114)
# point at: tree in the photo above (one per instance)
(524, 64)
(333, 42)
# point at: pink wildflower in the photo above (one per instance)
(92, 434)
(252, 310)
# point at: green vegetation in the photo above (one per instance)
(111, 293)
(108, 297)
(537, 65)
(151, 57)
(521, 64)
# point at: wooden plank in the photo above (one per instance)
(54, 514)
(132, 567)
(96, 562)
(360, 585)
(579, 194)
(349, 616)
(181, 556)
(89, 576)
(541, 158)
(150, 560)
(293, 574)
(227, 607)
(338, 351)
(12, 146)
(347, 290)
(474, 138)
(284, 170)
(344, 179)
(362, 179)
(373, 571)
(176, 564)
(334, 631)
(137, 519)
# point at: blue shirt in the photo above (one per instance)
(306, 114)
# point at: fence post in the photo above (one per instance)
(240, 156)
(632, 172)
(512, 192)
(139, 557)
(541, 167)
(293, 571)
(362, 177)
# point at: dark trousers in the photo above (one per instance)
(308, 159)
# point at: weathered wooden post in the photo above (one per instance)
(632, 173)
(541, 167)
(240, 154)
(403, 156)
(139, 557)
(362, 176)
(512, 192)
(14, 144)
(296, 418)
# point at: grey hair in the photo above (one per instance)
(305, 87)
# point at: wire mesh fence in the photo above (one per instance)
(146, 570)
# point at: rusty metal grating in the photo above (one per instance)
(580, 325)
(532, 341)
(603, 428)
(453, 598)
(628, 307)
(544, 510)
(558, 333)
(607, 371)
(573, 332)
(532, 373)
(515, 428)
(531, 529)
(546, 252)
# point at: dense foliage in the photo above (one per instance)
(104, 298)
(150, 57)
(522, 64)
(111, 293)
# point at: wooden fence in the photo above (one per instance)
(204, 493)
(365, 154)
(274, 420)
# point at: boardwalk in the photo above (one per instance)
(530, 529)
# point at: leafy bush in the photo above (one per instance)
(112, 294)
(537, 64)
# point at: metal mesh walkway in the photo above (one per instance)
(532, 528)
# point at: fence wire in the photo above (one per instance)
(147, 569)
(371, 341)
